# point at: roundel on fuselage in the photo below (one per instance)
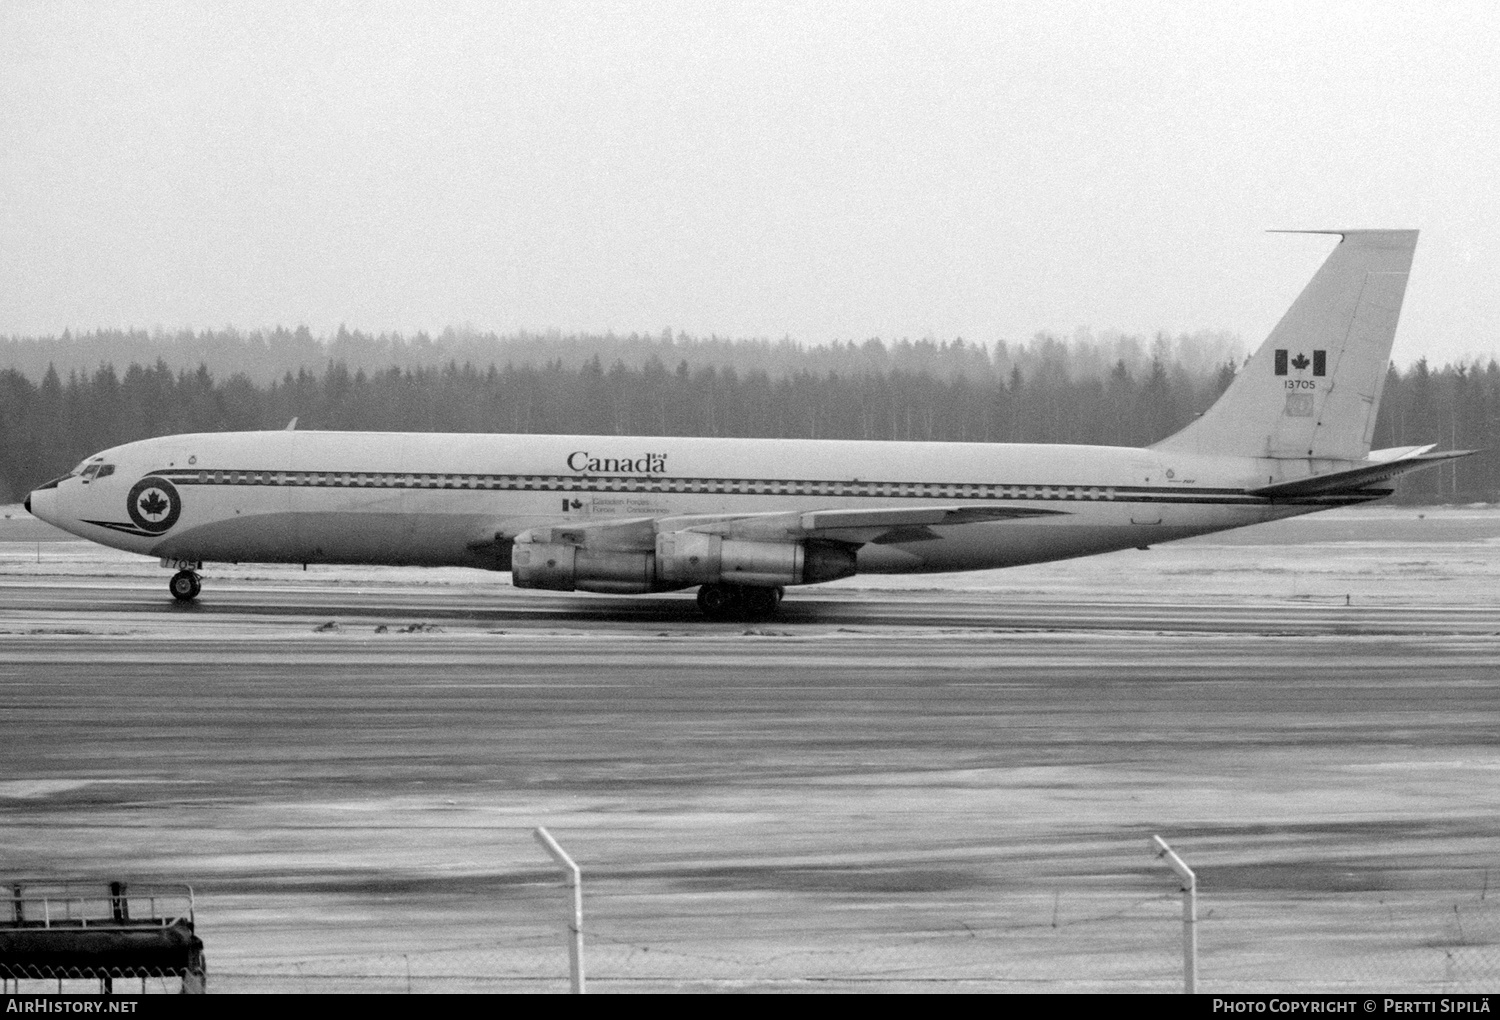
(154, 504)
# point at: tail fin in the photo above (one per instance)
(1313, 387)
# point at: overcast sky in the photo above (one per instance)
(815, 170)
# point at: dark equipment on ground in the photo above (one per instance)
(70, 931)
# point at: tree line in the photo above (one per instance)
(48, 424)
(266, 356)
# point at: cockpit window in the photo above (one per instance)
(88, 470)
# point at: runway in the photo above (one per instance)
(63, 605)
(884, 788)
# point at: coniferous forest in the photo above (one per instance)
(64, 398)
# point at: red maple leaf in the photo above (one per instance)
(152, 504)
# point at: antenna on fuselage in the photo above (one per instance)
(291, 426)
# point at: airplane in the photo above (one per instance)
(743, 519)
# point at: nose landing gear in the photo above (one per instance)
(185, 586)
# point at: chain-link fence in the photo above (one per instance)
(1106, 942)
(1394, 942)
(645, 933)
(1068, 940)
(1101, 942)
(1117, 944)
(96, 981)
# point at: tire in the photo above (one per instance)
(759, 603)
(719, 601)
(184, 586)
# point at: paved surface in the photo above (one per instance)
(880, 789)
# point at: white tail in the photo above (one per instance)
(1312, 389)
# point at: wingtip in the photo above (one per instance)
(1347, 232)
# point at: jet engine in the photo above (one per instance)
(579, 568)
(685, 558)
(682, 559)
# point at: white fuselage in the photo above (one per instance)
(457, 500)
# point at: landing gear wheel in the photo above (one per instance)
(733, 601)
(759, 603)
(185, 586)
(719, 601)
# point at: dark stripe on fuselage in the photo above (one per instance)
(127, 529)
(745, 487)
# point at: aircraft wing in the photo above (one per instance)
(857, 525)
(1382, 466)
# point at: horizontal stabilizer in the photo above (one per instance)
(1380, 469)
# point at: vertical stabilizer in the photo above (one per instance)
(1313, 387)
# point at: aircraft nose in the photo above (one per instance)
(42, 503)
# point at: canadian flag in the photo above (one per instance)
(1319, 362)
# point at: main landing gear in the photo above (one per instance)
(733, 601)
(185, 585)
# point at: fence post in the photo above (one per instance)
(1189, 913)
(575, 926)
